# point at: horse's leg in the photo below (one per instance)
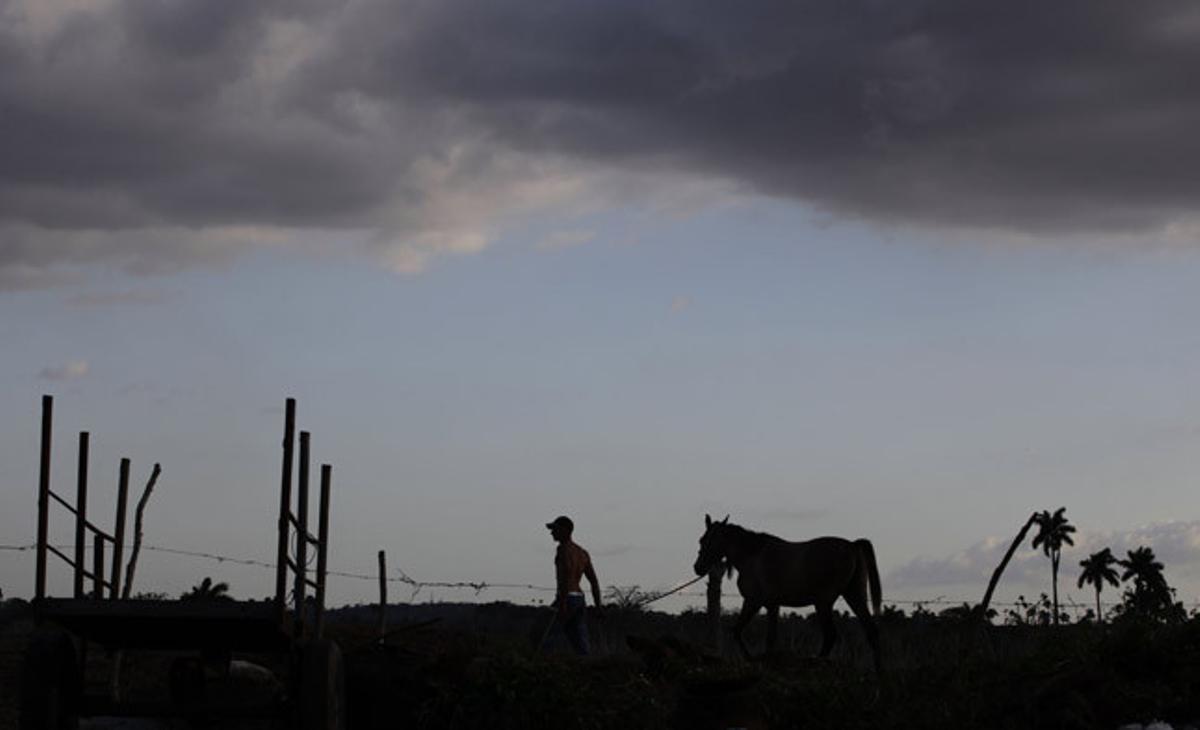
(828, 630)
(858, 604)
(772, 626)
(749, 609)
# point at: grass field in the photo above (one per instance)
(942, 673)
(478, 666)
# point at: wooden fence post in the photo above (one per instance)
(382, 594)
(301, 589)
(119, 532)
(322, 546)
(81, 513)
(285, 507)
(39, 590)
(98, 567)
(714, 607)
(127, 585)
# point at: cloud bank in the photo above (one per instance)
(154, 134)
(1176, 545)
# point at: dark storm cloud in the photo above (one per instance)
(150, 114)
(1070, 117)
(1022, 115)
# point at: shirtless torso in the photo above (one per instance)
(572, 563)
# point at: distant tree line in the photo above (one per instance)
(1146, 595)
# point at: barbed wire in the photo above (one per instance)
(404, 578)
(479, 587)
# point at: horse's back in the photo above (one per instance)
(828, 542)
(808, 572)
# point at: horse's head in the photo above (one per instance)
(712, 545)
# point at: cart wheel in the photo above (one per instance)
(52, 686)
(322, 700)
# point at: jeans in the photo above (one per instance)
(574, 624)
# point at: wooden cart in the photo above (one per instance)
(52, 694)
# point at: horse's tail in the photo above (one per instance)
(868, 554)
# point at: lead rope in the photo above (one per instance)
(640, 604)
(673, 591)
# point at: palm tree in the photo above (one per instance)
(1143, 568)
(1151, 596)
(1098, 570)
(206, 590)
(1054, 531)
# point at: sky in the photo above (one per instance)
(904, 271)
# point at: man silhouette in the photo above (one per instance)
(571, 563)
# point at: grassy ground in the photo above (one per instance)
(479, 668)
(942, 674)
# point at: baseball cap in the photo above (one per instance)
(561, 521)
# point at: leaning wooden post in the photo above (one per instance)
(39, 590)
(382, 595)
(127, 584)
(322, 547)
(98, 566)
(81, 513)
(301, 586)
(714, 606)
(119, 533)
(137, 531)
(285, 506)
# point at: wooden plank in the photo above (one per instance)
(94, 705)
(144, 624)
(87, 523)
(61, 554)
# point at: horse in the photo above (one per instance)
(773, 572)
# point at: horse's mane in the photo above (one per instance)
(751, 540)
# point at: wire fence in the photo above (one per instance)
(481, 586)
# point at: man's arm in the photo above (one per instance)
(590, 573)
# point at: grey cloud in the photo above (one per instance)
(92, 300)
(17, 276)
(613, 551)
(409, 122)
(70, 371)
(1174, 543)
(974, 565)
(31, 256)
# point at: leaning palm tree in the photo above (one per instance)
(1098, 570)
(1016, 543)
(1054, 531)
